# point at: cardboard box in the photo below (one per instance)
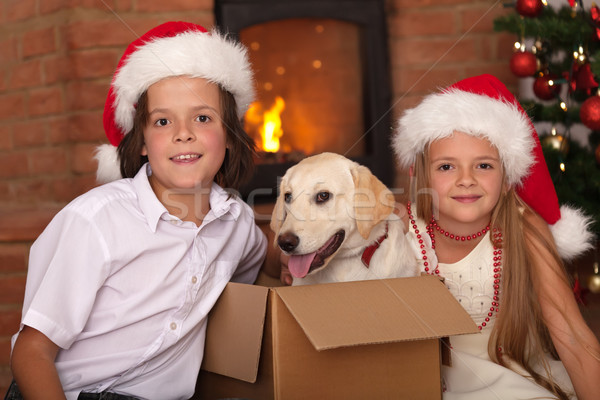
(352, 340)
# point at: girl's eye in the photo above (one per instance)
(445, 167)
(161, 122)
(202, 118)
(485, 166)
(322, 197)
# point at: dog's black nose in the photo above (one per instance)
(288, 241)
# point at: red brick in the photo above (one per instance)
(86, 127)
(24, 225)
(26, 74)
(5, 375)
(58, 130)
(9, 322)
(12, 289)
(8, 50)
(18, 10)
(67, 189)
(42, 41)
(48, 161)
(481, 19)
(82, 159)
(13, 165)
(30, 191)
(55, 69)
(51, 6)
(29, 133)
(401, 4)
(432, 52)
(106, 5)
(173, 5)
(422, 23)
(86, 95)
(12, 106)
(45, 101)
(6, 137)
(102, 33)
(13, 257)
(94, 63)
(423, 81)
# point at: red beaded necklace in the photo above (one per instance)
(497, 260)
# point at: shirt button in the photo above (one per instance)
(173, 325)
(194, 279)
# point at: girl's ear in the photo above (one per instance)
(144, 151)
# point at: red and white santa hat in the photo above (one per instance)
(172, 49)
(482, 106)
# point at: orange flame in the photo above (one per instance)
(270, 130)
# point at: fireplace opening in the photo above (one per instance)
(322, 82)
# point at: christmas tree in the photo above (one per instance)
(560, 49)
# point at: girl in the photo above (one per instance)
(481, 202)
(121, 281)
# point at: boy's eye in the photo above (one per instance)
(287, 197)
(162, 122)
(485, 166)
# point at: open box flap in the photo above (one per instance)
(236, 352)
(379, 311)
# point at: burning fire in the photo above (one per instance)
(270, 130)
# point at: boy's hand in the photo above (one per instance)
(285, 276)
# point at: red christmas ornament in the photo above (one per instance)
(523, 64)
(590, 113)
(543, 89)
(529, 8)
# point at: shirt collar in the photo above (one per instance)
(153, 209)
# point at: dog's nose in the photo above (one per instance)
(288, 241)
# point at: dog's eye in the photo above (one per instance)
(322, 197)
(287, 197)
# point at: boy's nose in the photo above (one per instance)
(184, 134)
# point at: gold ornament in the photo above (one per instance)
(556, 141)
(594, 280)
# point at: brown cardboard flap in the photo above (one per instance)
(236, 352)
(379, 311)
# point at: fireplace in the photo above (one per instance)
(322, 83)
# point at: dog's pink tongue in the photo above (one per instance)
(299, 265)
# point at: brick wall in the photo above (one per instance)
(56, 61)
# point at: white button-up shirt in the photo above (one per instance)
(124, 288)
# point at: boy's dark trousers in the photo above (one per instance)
(13, 393)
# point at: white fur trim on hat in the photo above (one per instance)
(108, 163)
(571, 233)
(193, 53)
(440, 114)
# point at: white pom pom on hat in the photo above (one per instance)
(482, 106)
(174, 48)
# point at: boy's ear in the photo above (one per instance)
(411, 171)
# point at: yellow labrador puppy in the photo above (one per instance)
(335, 219)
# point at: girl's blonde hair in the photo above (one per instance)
(519, 332)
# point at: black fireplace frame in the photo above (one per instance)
(232, 16)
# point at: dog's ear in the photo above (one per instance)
(278, 214)
(373, 201)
